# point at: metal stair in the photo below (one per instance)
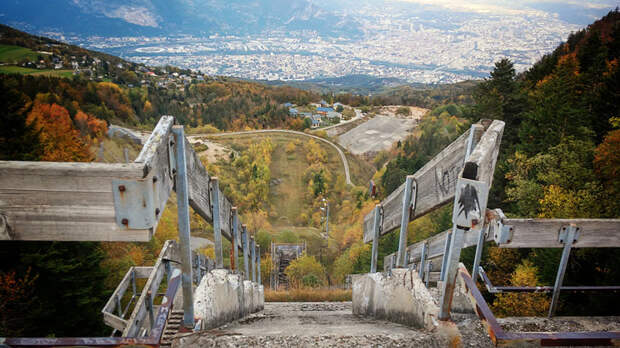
(172, 327)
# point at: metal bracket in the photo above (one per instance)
(414, 194)
(563, 234)
(5, 230)
(135, 203)
(502, 234)
(172, 159)
(470, 203)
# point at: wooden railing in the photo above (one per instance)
(60, 201)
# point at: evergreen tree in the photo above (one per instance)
(18, 141)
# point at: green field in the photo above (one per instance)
(14, 54)
(11, 69)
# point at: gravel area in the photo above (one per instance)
(378, 133)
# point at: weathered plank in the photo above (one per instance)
(544, 233)
(481, 163)
(64, 201)
(436, 182)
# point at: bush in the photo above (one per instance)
(403, 110)
(311, 281)
(302, 267)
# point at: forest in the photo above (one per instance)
(560, 158)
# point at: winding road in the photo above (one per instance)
(345, 162)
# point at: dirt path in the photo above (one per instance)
(310, 324)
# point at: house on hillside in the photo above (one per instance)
(293, 112)
(332, 115)
(324, 111)
(316, 121)
(323, 103)
(287, 105)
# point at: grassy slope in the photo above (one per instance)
(10, 69)
(14, 54)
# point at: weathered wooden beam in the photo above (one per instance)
(64, 201)
(436, 182)
(543, 233)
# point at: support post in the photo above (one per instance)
(235, 237)
(568, 236)
(217, 224)
(423, 260)
(375, 240)
(258, 264)
(479, 246)
(181, 186)
(447, 287)
(149, 307)
(404, 222)
(119, 308)
(253, 251)
(246, 251)
(444, 258)
(126, 153)
(429, 267)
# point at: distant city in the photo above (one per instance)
(414, 46)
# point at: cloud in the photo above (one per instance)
(504, 7)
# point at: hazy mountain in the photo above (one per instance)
(168, 17)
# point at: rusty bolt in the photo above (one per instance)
(121, 188)
(154, 179)
(171, 142)
(156, 211)
(474, 222)
(125, 222)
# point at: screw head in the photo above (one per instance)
(156, 211)
(154, 179)
(125, 222)
(121, 188)
(174, 171)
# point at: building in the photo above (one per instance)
(324, 111)
(293, 112)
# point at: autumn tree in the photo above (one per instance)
(60, 140)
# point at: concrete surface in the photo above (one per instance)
(222, 297)
(378, 133)
(402, 298)
(310, 324)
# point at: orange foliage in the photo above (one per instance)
(15, 295)
(61, 141)
(90, 126)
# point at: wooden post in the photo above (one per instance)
(184, 232)
(375, 241)
(126, 153)
(217, 224)
(401, 259)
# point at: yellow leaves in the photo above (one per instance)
(302, 267)
(315, 153)
(290, 147)
(522, 304)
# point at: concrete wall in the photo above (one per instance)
(403, 298)
(223, 296)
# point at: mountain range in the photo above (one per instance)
(171, 17)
